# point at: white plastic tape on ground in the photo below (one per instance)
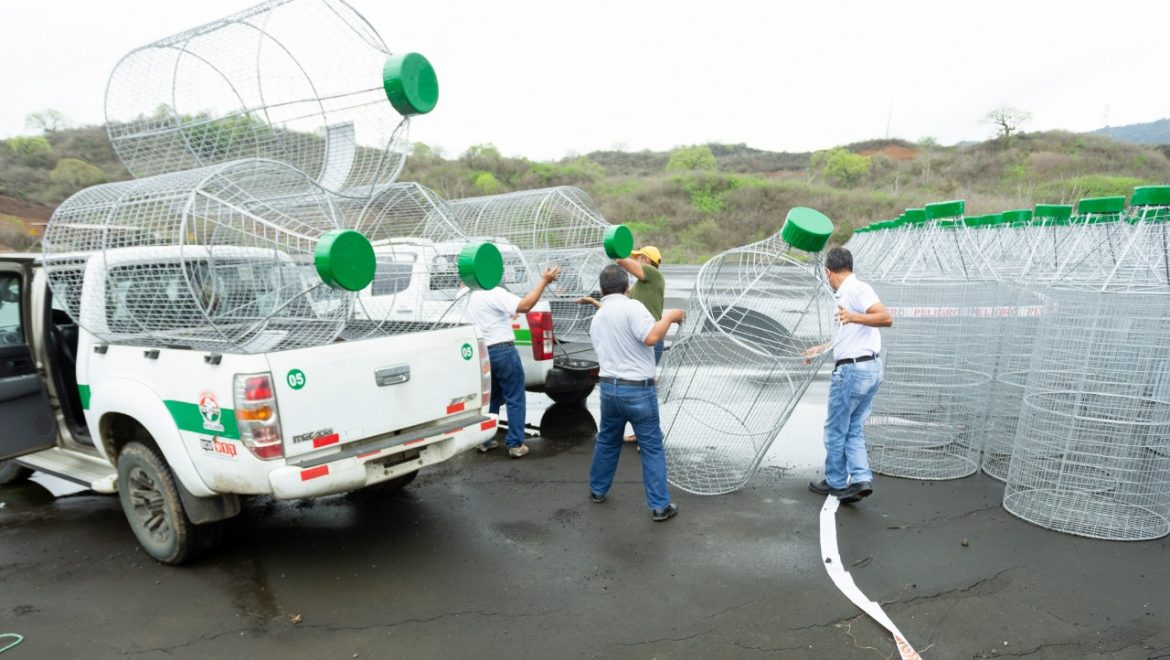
(844, 581)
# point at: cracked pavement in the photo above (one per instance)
(487, 557)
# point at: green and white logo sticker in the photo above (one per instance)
(295, 379)
(467, 352)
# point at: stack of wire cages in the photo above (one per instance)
(202, 259)
(560, 227)
(1092, 452)
(737, 367)
(928, 421)
(265, 215)
(305, 82)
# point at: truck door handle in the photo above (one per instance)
(392, 375)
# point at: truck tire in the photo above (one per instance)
(570, 397)
(11, 473)
(150, 500)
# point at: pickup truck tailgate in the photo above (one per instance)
(348, 391)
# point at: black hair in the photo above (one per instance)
(613, 280)
(838, 259)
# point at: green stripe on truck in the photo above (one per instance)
(188, 417)
(83, 390)
(523, 336)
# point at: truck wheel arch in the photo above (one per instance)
(128, 411)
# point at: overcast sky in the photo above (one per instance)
(548, 79)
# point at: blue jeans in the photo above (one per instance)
(852, 388)
(508, 390)
(637, 405)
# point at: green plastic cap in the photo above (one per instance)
(1052, 212)
(806, 229)
(973, 221)
(1150, 196)
(345, 260)
(915, 216)
(1101, 205)
(1017, 216)
(410, 84)
(951, 209)
(618, 242)
(481, 266)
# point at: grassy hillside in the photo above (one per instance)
(694, 214)
(718, 197)
(1154, 132)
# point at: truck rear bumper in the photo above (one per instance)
(378, 465)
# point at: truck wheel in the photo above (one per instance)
(150, 500)
(11, 473)
(570, 397)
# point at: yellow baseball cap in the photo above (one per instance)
(650, 252)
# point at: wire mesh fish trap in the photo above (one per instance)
(947, 305)
(735, 370)
(560, 227)
(205, 259)
(306, 82)
(1091, 454)
(417, 242)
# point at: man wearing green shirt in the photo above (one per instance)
(650, 289)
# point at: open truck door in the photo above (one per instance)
(25, 413)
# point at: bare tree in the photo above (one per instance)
(46, 121)
(1007, 120)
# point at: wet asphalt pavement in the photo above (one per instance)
(488, 557)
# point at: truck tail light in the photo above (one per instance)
(541, 328)
(485, 375)
(257, 416)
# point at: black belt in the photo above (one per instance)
(503, 343)
(622, 381)
(863, 358)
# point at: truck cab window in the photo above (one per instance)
(10, 326)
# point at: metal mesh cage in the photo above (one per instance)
(416, 240)
(201, 259)
(1093, 439)
(299, 81)
(1092, 455)
(560, 227)
(940, 355)
(927, 422)
(735, 370)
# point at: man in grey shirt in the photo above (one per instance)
(624, 334)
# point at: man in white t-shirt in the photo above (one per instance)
(857, 375)
(492, 312)
(624, 334)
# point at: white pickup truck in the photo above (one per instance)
(182, 434)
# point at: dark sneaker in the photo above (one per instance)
(517, 451)
(856, 492)
(595, 498)
(666, 513)
(487, 446)
(822, 487)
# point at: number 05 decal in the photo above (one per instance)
(295, 379)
